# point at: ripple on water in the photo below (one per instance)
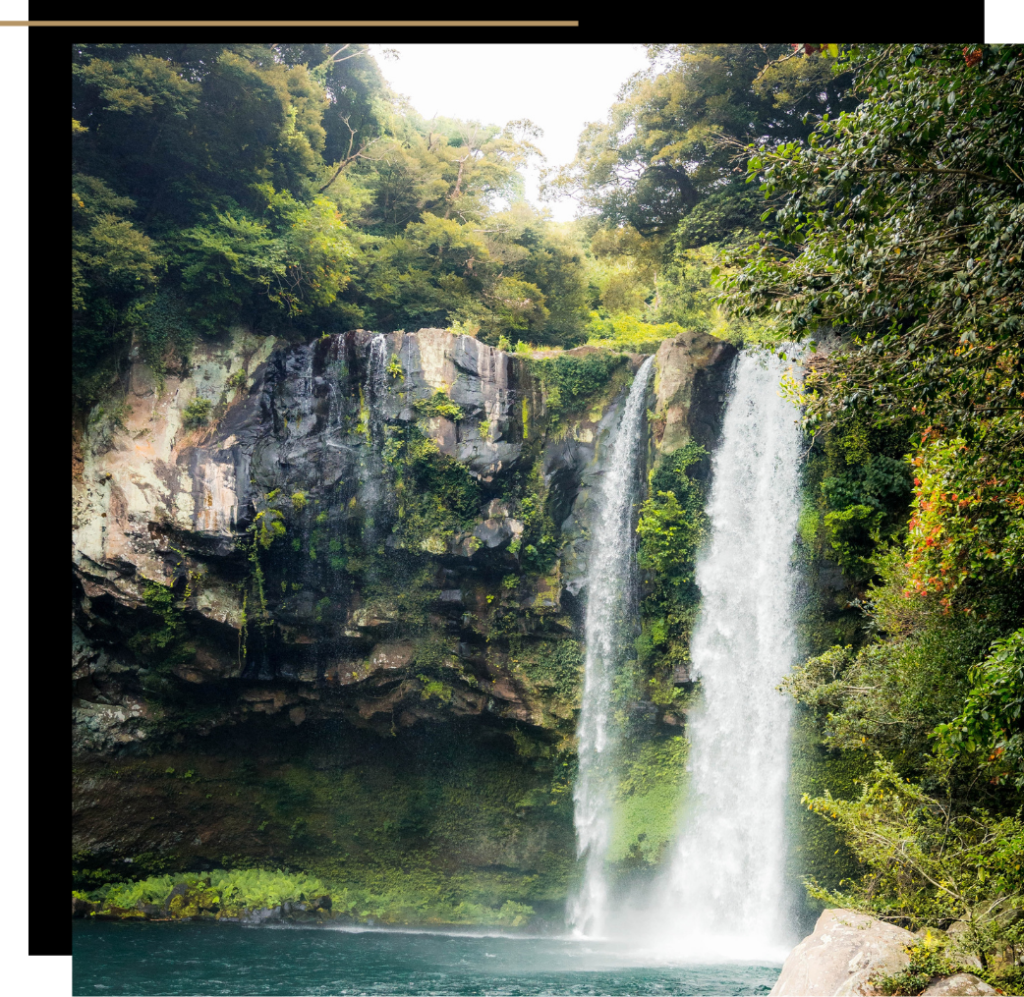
(196, 958)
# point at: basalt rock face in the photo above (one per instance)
(369, 531)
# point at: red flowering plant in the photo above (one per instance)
(968, 518)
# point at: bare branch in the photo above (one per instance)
(349, 156)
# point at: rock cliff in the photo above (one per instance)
(366, 533)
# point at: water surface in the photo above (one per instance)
(200, 958)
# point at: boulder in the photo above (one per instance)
(80, 907)
(263, 915)
(843, 953)
(960, 985)
(690, 387)
(178, 890)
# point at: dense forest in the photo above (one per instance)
(865, 202)
(287, 188)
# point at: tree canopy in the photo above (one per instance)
(288, 189)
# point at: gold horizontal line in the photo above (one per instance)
(289, 24)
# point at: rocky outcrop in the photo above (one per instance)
(268, 486)
(381, 532)
(958, 985)
(842, 955)
(691, 381)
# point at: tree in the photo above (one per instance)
(670, 141)
(904, 221)
(113, 265)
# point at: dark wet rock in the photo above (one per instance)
(263, 915)
(300, 440)
(80, 907)
(178, 890)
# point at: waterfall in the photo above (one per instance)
(724, 888)
(610, 599)
(378, 366)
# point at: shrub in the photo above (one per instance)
(440, 405)
(196, 413)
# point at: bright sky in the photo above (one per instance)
(558, 87)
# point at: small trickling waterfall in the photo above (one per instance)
(378, 366)
(374, 396)
(609, 600)
(724, 886)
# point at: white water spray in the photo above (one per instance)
(725, 889)
(609, 600)
(378, 365)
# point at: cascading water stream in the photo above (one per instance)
(377, 366)
(609, 601)
(374, 396)
(724, 889)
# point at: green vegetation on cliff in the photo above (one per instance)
(427, 830)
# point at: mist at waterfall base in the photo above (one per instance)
(216, 958)
(721, 894)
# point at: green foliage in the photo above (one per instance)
(113, 266)
(237, 380)
(967, 530)
(569, 382)
(439, 404)
(392, 829)
(865, 489)
(627, 332)
(648, 801)
(927, 961)
(671, 527)
(928, 861)
(435, 496)
(556, 667)
(167, 636)
(898, 221)
(669, 537)
(988, 727)
(891, 693)
(222, 892)
(669, 141)
(513, 915)
(280, 187)
(433, 688)
(897, 227)
(816, 849)
(852, 530)
(290, 257)
(196, 413)
(153, 890)
(540, 535)
(268, 526)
